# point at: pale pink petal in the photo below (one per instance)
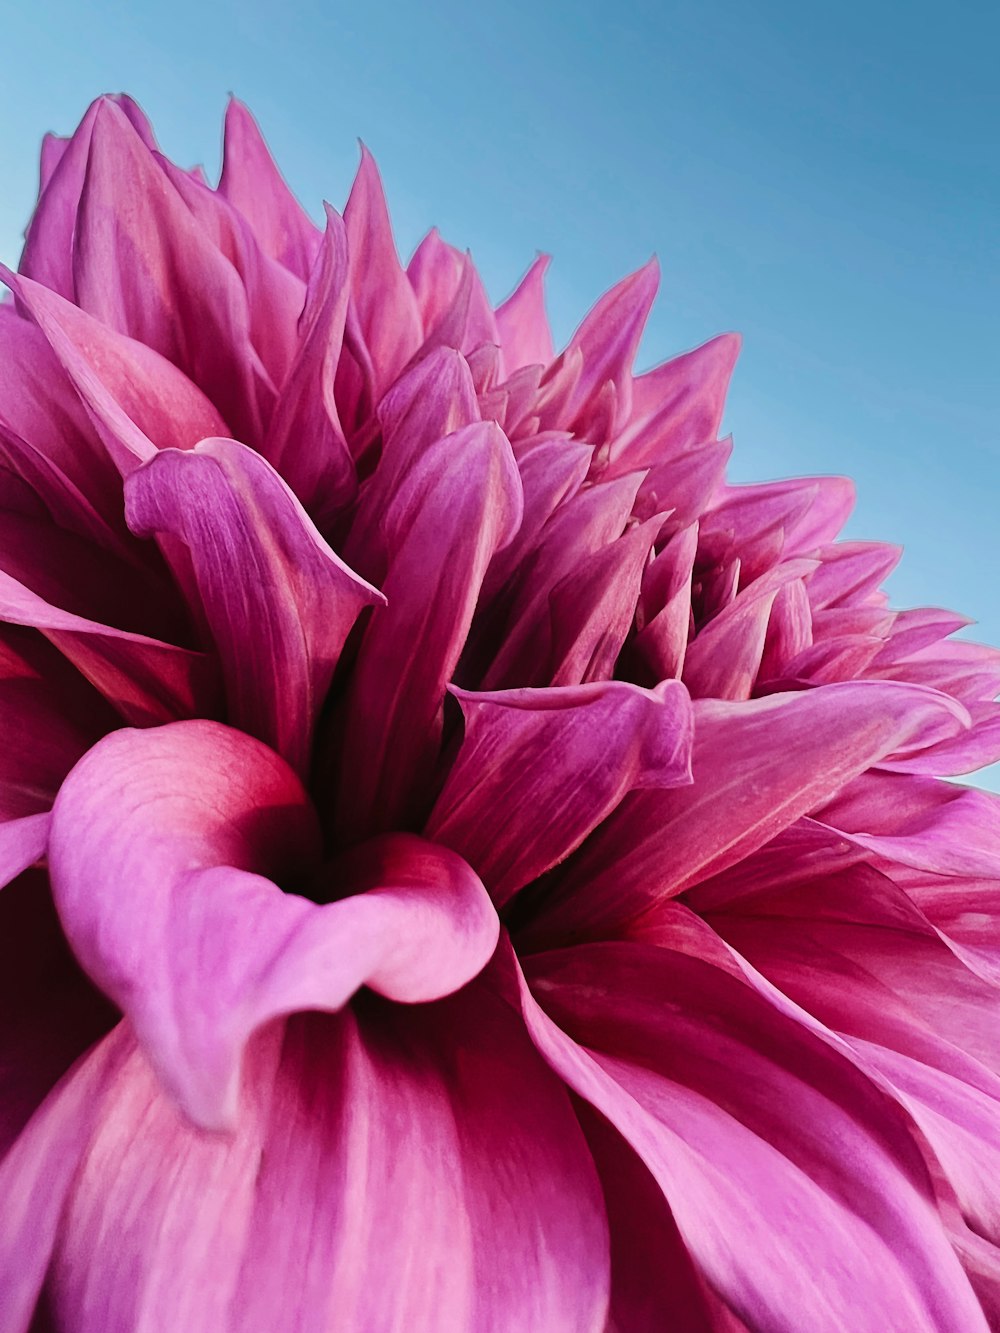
(539, 769)
(280, 620)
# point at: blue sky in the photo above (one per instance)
(823, 178)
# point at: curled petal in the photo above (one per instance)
(278, 603)
(206, 949)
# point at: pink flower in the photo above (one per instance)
(469, 869)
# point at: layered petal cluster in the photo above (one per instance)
(467, 867)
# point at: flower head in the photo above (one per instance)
(468, 867)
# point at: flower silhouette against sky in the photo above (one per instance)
(467, 866)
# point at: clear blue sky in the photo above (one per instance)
(824, 178)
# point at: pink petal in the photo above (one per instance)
(434, 272)
(757, 767)
(48, 243)
(592, 610)
(49, 1012)
(676, 406)
(322, 475)
(279, 626)
(206, 950)
(153, 275)
(936, 826)
(22, 843)
(600, 352)
(539, 769)
(585, 523)
(683, 486)
(48, 716)
(435, 398)
(382, 298)
(45, 425)
(146, 680)
(458, 504)
(379, 1169)
(137, 401)
(252, 183)
(768, 1146)
(723, 661)
(850, 570)
(522, 323)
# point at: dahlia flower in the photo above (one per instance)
(469, 869)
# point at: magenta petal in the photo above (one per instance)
(252, 183)
(539, 769)
(322, 475)
(382, 298)
(458, 504)
(599, 353)
(280, 624)
(768, 1145)
(38, 1174)
(147, 681)
(757, 767)
(207, 950)
(725, 657)
(153, 274)
(523, 326)
(676, 407)
(136, 399)
(379, 1169)
(22, 843)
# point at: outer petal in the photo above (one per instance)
(539, 769)
(797, 1189)
(599, 353)
(204, 950)
(251, 181)
(676, 406)
(525, 336)
(280, 620)
(136, 399)
(151, 273)
(380, 1169)
(459, 503)
(383, 300)
(757, 767)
